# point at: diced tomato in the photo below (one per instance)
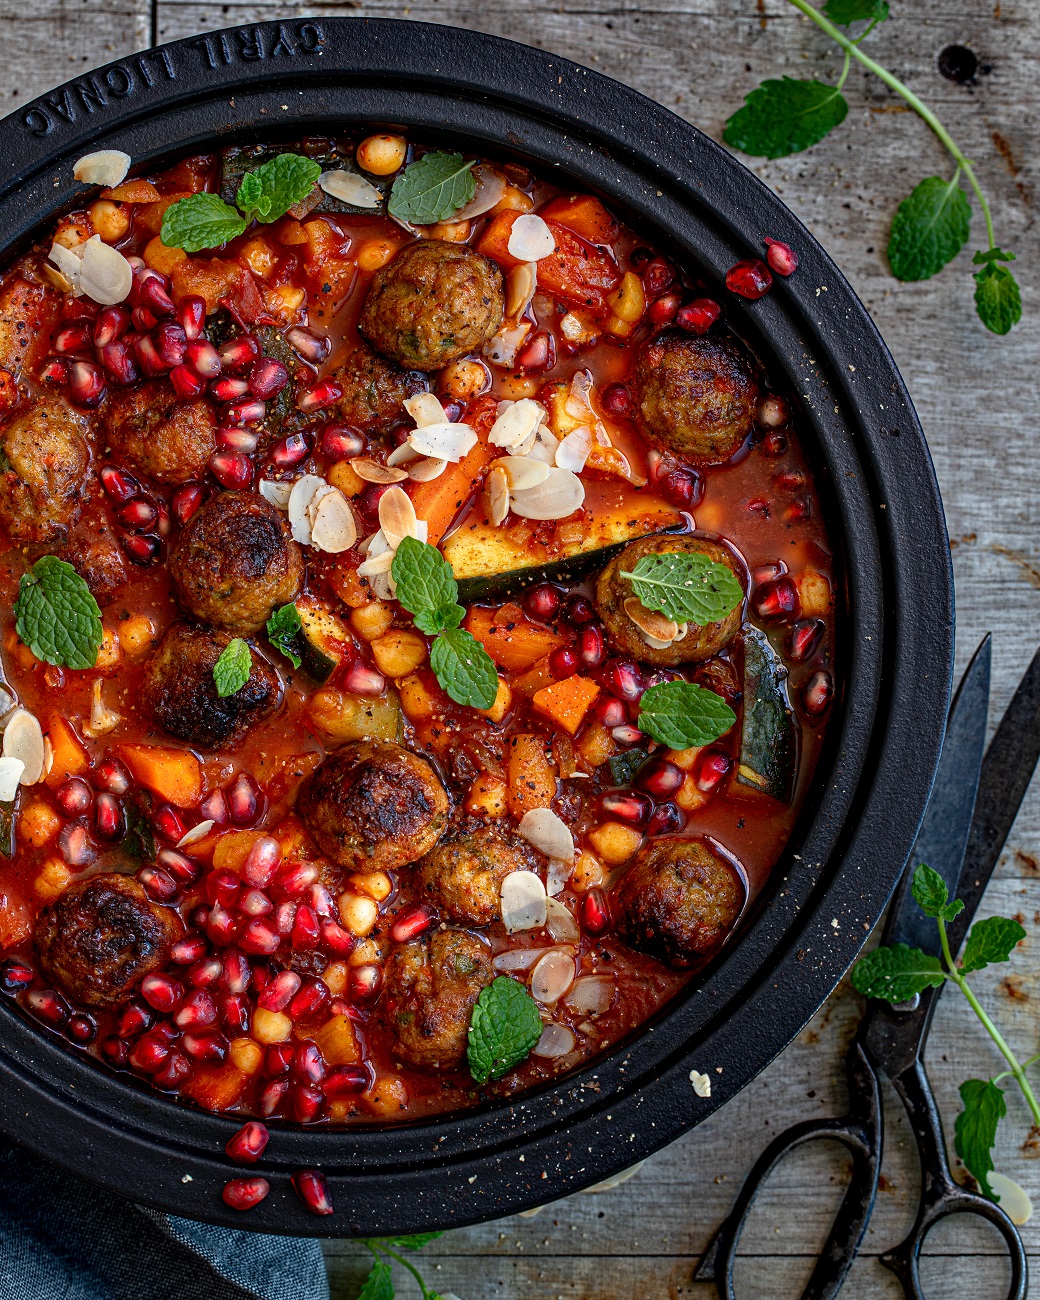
(576, 270)
(583, 214)
(330, 270)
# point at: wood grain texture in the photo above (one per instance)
(976, 396)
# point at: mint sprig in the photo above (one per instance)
(998, 300)
(785, 117)
(425, 585)
(56, 616)
(975, 1131)
(200, 221)
(432, 189)
(680, 715)
(686, 586)
(379, 1284)
(504, 1026)
(283, 630)
(930, 228)
(232, 669)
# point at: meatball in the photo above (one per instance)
(464, 878)
(428, 996)
(374, 391)
(374, 805)
(180, 693)
(612, 590)
(434, 302)
(678, 901)
(43, 459)
(694, 396)
(236, 562)
(163, 437)
(102, 937)
(95, 554)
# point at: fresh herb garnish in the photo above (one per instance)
(56, 616)
(686, 586)
(232, 669)
(931, 226)
(624, 766)
(426, 587)
(432, 189)
(897, 972)
(379, 1284)
(283, 630)
(503, 1028)
(206, 221)
(680, 714)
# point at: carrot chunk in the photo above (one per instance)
(583, 214)
(215, 1087)
(133, 192)
(70, 753)
(513, 642)
(566, 702)
(532, 777)
(173, 774)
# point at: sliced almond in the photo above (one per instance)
(396, 515)
(557, 497)
(427, 469)
(592, 995)
(196, 833)
(573, 451)
(530, 238)
(556, 1041)
(312, 505)
(578, 403)
(350, 188)
(523, 901)
(11, 772)
(547, 833)
(376, 565)
(516, 422)
(424, 408)
(655, 643)
(521, 283)
(277, 493)
(523, 472)
(69, 262)
(102, 718)
(650, 622)
(543, 445)
(373, 472)
(402, 456)
(23, 739)
(501, 348)
(303, 492)
(60, 282)
(559, 873)
(105, 275)
(443, 441)
(105, 167)
(560, 922)
(334, 528)
(497, 491)
(552, 977)
(518, 958)
(491, 185)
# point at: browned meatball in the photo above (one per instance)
(612, 591)
(374, 805)
(163, 437)
(694, 396)
(434, 302)
(428, 996)
(102, 937)
(464, 878)
(43, 463)
(236, 562)
(179, 690)
(678, 901)
(94, 553)
(374, 391)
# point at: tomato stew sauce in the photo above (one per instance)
(256, 968)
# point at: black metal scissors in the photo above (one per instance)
(973, 804)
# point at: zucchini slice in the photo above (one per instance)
(323, 642)
(768, 748)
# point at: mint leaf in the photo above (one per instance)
(679, 715)
(686, 586)
(200, 221)
(379, 1285)
(932, 896)
(896, 973)
(503, 1028)
(464, 668)
(283, 629)
(56, 616)
(785, 117)
(413, 1241)
(998, 301)
(432, 189)
(271, 190)
(976, 1129)
(929, 229)
(846, 12)
(232, 669)
(426, 586)
(994, 939)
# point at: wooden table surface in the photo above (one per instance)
(977, 398)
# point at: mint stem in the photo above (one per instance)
(411, 1269)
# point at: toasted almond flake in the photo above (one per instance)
(559, 496)
(523, 901)
(576, 329)
(376, 544)
(552, 977)
(402, 455)
(102, 718)
(11, 771)
(350, 188)
(602, 437)
(560, 923)
(497, 491)
(547, 833)
(578, 403)
(105, 167)
(491, 185)
(195, 834)
(376, 565)
(396, 515)
(516, 422)
(556, 1041)
(501, 348)
(303, 491)
(59, 281)
(1014, 1200)
(443, 441)
(701, 1083)
(8, 704)
(573, 451)
(373, 472)
(334, 528)
(427, 469)
(424, 408)
(592, 995)
(23, 739)
(543, 445)
(521, 283)
(559, 873)
(277, 493)
(69, 262)
(522, 472)
(105, 275)
(518, 958)
(312, 505)
(530, 238)
(650, 622)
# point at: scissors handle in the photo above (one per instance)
(940, 1195)
(860, 1133)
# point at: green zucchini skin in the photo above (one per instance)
(504, 586)
(318, 640)
(768, 747)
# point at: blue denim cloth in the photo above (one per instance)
(64, 1239)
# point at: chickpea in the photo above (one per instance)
(451, 232)
(374, 253)
(38, 823)
(513, 387)
(109, 653)
(335, 976)
(382, 155)
(110, 220)
(52, 880)
(463, 380)
(513, 200)
(358, 914)
(245, 1055)
(137, 635)
(343, 476)
(375, 884)
(72, 232)
(367, 952)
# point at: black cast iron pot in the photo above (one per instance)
(895, 645)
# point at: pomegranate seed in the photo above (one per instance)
(248, 1144)
(368, 499)
(150, 359)
(316, 396)
(137, 516)
(698, 316)
(277, 1059)
(170, 343)
(308, 1064)
(244, 1193)
(221, 925)
(306, 1102)
(664, 309)
(410, 922)
(683, 488)
(151, 293)
(254, 902)
(579, 611)
(143, 320)
(70, 339)
(322, 901)
(236, 972)
(623, 679)
(594, 914)
(310, 1000)
(658, 274)
(86, 386)
(75, 846)
(260, 937)
(134, 1020)
(775, 601)
(335, 937)
(186, 501)
(305, 932)
(142, 549)
(223, 887)
(627, 806)
(294, 878)
(290, 451)
(111, 324)
(313, 1190)
(196, 1011)
(667, 818)
(267, 378)
(231, 469)
(114, 1050)
(781, 257)
(364, 982)
(749, 279)
(187, 951)
(55, 372)
(173, 1073)
(168, 823)
(345, 1081)
(209, 1045)
(802, 640)
(158, 884)
(817, 693)
(713, 766)
(591, 648)
(149, 1054)
(361, 679)
(203, 358)
(205, 972)
(285, 918)
(563, 662)
(186, 384)
(118, 484)
(660, 778)
(538, 353)
(191, 315)
(73, 796)
(238, 354)
(341, 443)
(273, 1095)
(236, 439)
(616, 399)
(15, 975)
(228, 389)
(314, 348)
(179, 865)
(161, 992)
(280, 991)
(251, 412)
(542, 603)
(214, 808)
(610, 712)
(628, 735)
(81, 1028)
(235, 1012)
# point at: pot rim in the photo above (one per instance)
(870, 458)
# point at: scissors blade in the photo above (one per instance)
(947, 822)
